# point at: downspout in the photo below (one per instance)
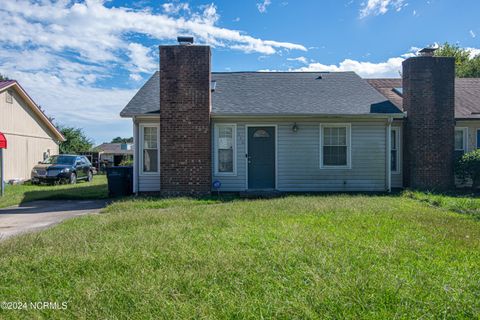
(135, 157)
(389, 154)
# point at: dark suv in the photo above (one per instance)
(63, 168)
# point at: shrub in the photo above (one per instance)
(127, 162)
(468, 167)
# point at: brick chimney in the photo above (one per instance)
(185, 140)
(429, 100)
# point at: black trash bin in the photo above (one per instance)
(120, 181)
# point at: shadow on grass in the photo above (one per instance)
(225, 197)
(83, 191)
(52, 206)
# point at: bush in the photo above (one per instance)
(468, 167)
(127, 162)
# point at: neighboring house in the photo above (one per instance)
(303, 132)
(114, 153)
(31, 136)
(467, 108)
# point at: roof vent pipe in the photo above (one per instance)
(185, 40)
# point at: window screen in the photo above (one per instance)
(150, 149)
(335, 148)
(225, 148)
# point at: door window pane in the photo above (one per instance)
(260, 133)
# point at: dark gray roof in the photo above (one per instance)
(146, 100)
(294, 93)
(280, 93)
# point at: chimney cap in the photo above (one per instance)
(427, 52)
(185, 40)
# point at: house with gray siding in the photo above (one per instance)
(197, 131)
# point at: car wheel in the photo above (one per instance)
(73, 178)
(90, 176)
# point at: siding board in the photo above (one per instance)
(28, 137)
(299, 159)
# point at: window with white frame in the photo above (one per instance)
(395, 150)
(225, 149)
(335, 145)
(150, 150)
(460, 142)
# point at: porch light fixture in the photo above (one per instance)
(295, 127)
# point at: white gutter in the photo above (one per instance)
(389, 154)
(287, 115)
(135, 152)
(297, 115)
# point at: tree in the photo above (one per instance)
(76, 141)
(122, 140)
(3, 78)
(466, 65)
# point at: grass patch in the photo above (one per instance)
(16, 194)
(298, 257)
(461, 203)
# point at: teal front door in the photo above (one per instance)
(261, 158)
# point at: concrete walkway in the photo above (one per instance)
(38, 215)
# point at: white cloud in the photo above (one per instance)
(97, 32)
(380, 7)
(135, 77)
(262, 6)
(388, 69)
(77, 48)
(175, 8)
(299, 59)
(473, 52)
(141, 58)
(78, 103)
(473, 34)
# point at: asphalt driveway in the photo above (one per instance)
(38, 215)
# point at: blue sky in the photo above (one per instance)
(84, 60)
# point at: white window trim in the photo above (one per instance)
(348, 126)
(141, 149)
(465, 138)
(215, 155)
(396, 131)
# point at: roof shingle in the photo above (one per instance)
(467, 95)
(278, 93)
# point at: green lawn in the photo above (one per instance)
(298, 257)
(97, 189)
